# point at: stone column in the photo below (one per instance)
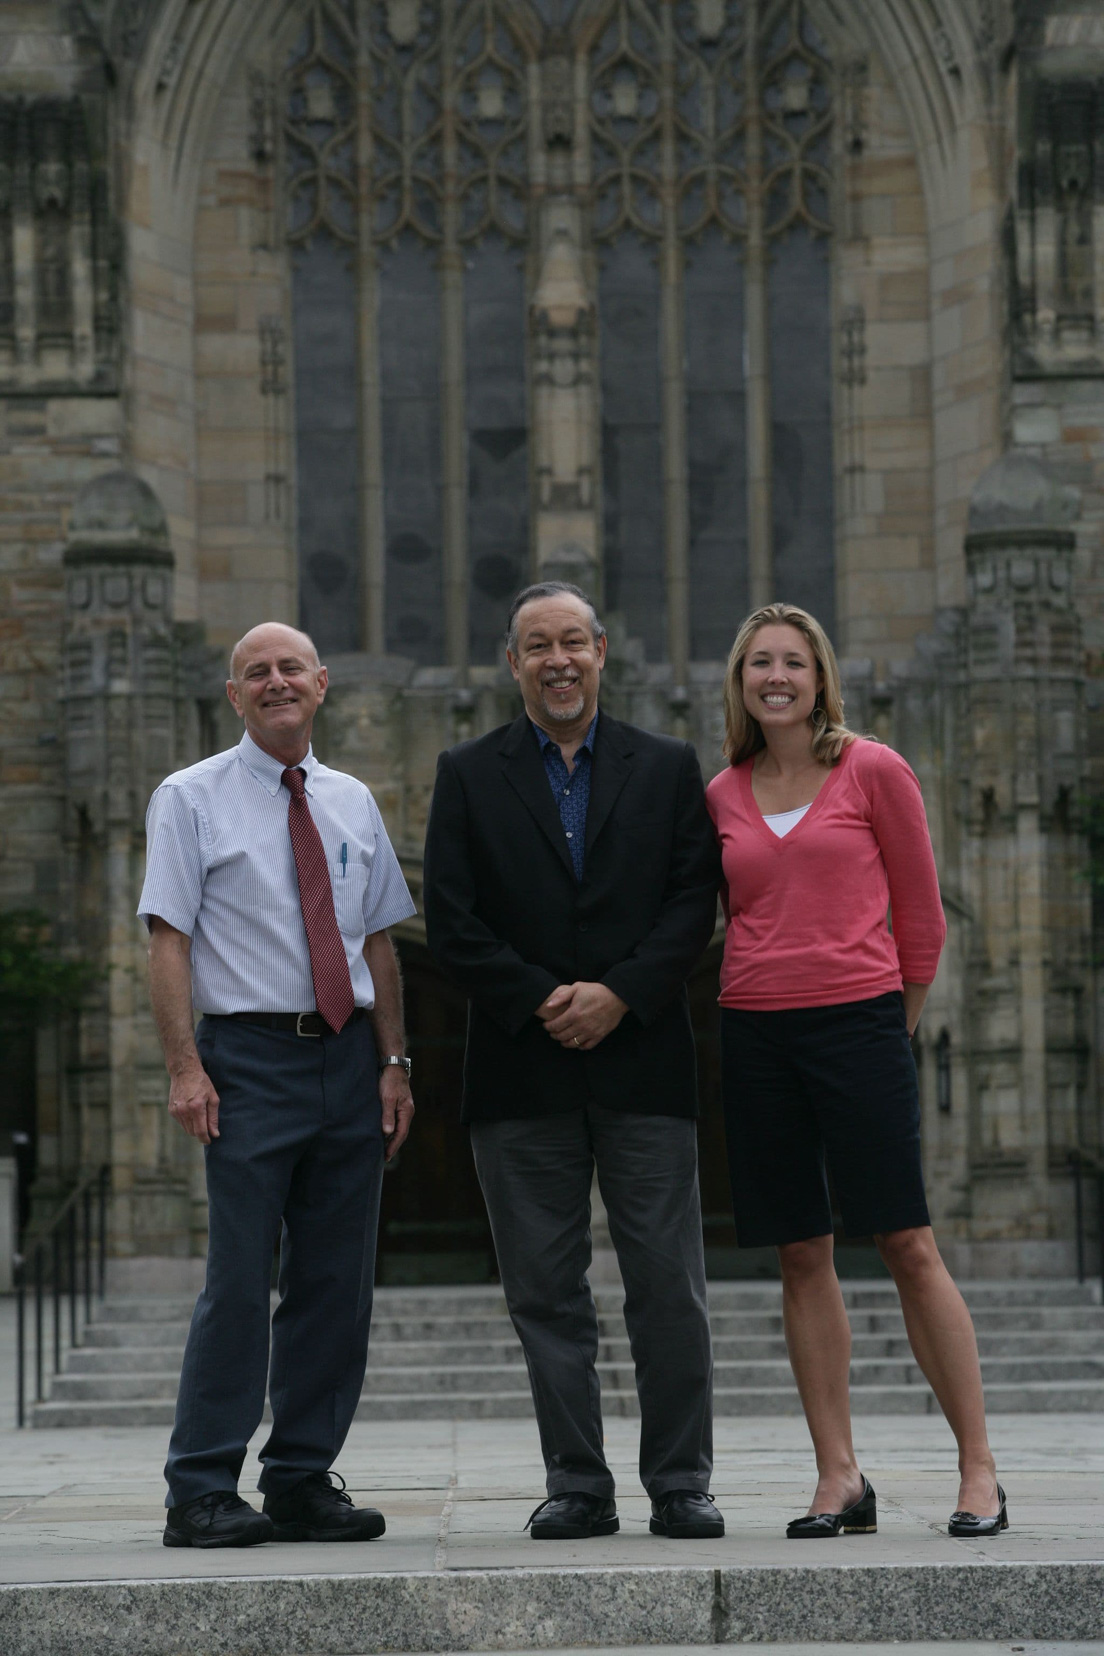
(1022, 769)
(119, 697)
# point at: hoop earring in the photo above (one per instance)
(818, 718)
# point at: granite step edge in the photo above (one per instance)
(532, 1607)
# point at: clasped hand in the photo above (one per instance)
(579, 1015)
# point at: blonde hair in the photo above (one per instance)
(743, 734)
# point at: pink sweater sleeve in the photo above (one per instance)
(901, 829)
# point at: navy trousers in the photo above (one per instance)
(299, 1159)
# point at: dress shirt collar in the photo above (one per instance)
(269, 771)
(546, 741)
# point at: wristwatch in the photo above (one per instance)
(402, 1063)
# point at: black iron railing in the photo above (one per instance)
(1088, 1169)
(66, 1262)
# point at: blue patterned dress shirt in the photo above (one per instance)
(571, 792)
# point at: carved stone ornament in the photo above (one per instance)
(945, 48)
(1018, 492)
(262, 118)
(557, 102)
(51, 185)
(490, 98)
(403, 17)
(710, 19)
(625, 97)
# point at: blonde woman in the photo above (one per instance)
(821, 832)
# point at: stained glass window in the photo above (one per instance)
(702, 210)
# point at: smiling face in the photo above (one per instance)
(558, 665)
(277, 686)
(780, 678)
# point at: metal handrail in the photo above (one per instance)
(1087, 1164)
(69, 1251)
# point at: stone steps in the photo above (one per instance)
(114, 1328)
(466, 1378)
(452, 1353)
(1054, 1397)
(486, 1301)
(166, 1358)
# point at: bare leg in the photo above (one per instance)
(818, 1338)
(941, 1334)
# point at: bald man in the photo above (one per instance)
(270, 886)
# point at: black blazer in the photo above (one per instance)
(507, 920)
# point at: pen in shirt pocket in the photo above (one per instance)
(344, 857)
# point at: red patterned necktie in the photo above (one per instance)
(333, 987)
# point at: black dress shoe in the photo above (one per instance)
(315, 1509)
(859, 1519)
(219, 1519)
(575, 1516)
(686, 1514)
(969, 1524)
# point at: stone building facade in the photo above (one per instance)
(360, 313)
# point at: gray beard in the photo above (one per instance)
(563, 715)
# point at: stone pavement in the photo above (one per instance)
(83, 1571)
(456, 1569)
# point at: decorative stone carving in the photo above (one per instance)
(557, 99)
(58, 260)
(273, 352)
(403, 21)
(1022, 759)
(710, 19)
(563, 380)
(852, 360)
(1057, 227)
(120, 720)
(262, 119)
(1016, 493)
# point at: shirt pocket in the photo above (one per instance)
(349, 885)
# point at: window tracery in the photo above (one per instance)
(407, 132)
(711, 123)
(320, 128)
(707, 176)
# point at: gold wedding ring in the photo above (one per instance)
(575, 1038)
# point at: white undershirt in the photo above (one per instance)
(782, 821)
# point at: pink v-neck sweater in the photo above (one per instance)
(806, 915)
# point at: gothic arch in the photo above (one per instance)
(191, 52)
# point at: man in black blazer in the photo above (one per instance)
(571, 879)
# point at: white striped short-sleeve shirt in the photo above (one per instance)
(220, 868)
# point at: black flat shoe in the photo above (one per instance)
(686, 1514)
(859, 1519)
(969, 1524)
(574, 1516)
(315, 1509)
(218, 1519)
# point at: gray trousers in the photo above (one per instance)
(536, 1177)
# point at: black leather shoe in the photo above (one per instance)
(220, 1519)
(575, 1516)
(686, 1514)
(859, 1519)
(969, 1524)
(315, 1509)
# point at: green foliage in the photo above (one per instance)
(34, 977)
(1092, 817)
